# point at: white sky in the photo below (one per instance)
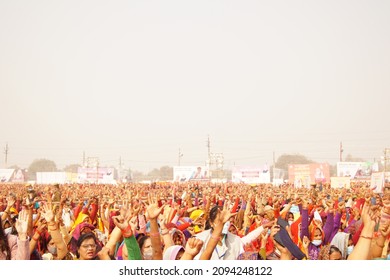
(142, 79)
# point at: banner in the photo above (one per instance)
(99, 175)
(51, 177)
(5, 175)
(377, 182)
(19, 176)
(302, 175)
(356, 170)
(251, 174)
(340, 182)
(190, 173)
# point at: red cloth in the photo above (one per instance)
(295, 230)
(183, 226)
(235, 206)
(356, 236)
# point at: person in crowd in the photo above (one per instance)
(193, 220)
(15, 247)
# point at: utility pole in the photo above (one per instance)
(341, 151)
(6, 150)
(120, 169)
(386, 158)
(180, 156)
(273, 156)
(208, 161)
(208, 146)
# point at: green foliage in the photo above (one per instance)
(165, 173)
(72, 168)
(40, 165)
(286, 159)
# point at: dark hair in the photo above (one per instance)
(142, 240)
(288, 215)
(212, 215)
(82, 238)
(4, 246)
(89, 235)
(333, 249)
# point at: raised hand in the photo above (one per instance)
(47, 212)
(10, 201)
(162, 221)
(41, 225)
(21, 224)
(384, 229)
(152, 210)
(123, 223)
(224, 215)
(370, 215)
(274, 230)
(193, 246)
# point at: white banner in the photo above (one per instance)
(51, 177)
(377, 182)
(190, 173)
(100, 175)
(356, 170)
(5, 175)
(340, 182)
(251, 174)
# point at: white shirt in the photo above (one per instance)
(231, 247)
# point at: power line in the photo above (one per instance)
(6, 151)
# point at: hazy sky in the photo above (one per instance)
(142, 79)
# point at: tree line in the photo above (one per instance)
(165, 173)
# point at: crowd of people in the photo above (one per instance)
(193, 221)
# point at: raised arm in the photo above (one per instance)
(370, 216)
(54, 231)
(222, 217)
(168, 242)
(23, 249)
(127, 225)
(305, 219)
(152, 212)
(193, 247)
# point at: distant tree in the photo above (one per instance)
(154, 174)
(350, 158)
(286, 159)
(40, 165)
(166, 173)
(137, 176)
(72, 168)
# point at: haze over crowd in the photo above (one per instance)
(141, 80)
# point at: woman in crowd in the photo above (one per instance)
(15, 247)
(154, 222)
